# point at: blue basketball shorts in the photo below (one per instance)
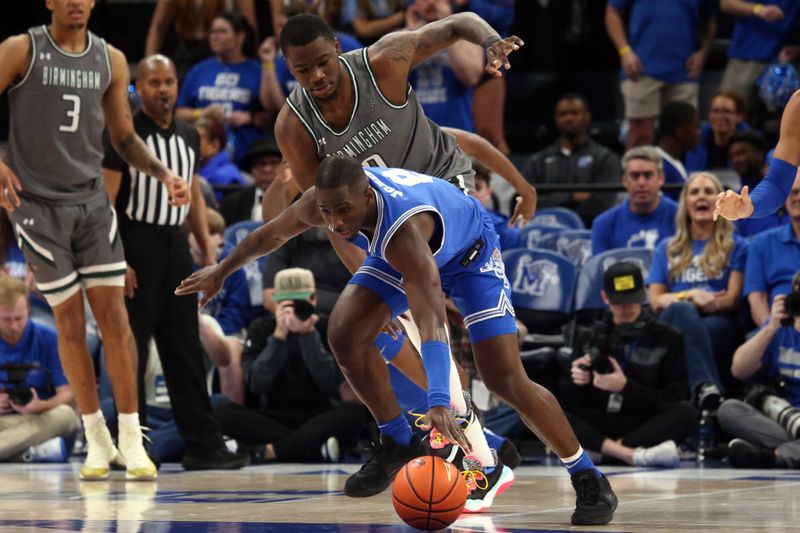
(480, 290)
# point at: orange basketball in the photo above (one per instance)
(429, 493)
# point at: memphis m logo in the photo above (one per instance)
(578, 251)
(532, 277)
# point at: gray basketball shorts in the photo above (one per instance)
(69, 245)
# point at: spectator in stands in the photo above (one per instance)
(191, 22)
(765, 425)
(36, 406)
(376, 18)
(277, 82)
(645, 217)
(725, 117)
(262, 161)
(696, 277)
(772, 261)
(216, 166)
(679, 132)
(761, 33)
(748, 152)
(626, 392)
(510, 237)
(574, 158)
(227, 79)
(444, 82)
(305, 410)
(662, 52)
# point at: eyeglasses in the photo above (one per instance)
(723, 111)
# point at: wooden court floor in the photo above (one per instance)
(306, 498)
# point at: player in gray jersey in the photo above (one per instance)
(67, 85)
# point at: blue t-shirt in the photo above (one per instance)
(445, 100)
(220, 171)
(288, 82)
(18, 268)
(619, 227)
(663, 33)
(39, 345)
(782, 359)
(509, 237)
(234, 87)
(231, 306)
(749, 227)
(772, 261)
(756, 39)
(674, 172)
(693, 276)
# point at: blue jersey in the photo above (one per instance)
(619, 227)
(781, 359)
(38, 345)
(693, 276)
(758, 40)
(444, 98)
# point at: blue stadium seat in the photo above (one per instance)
(542, 288)
(590, 278)
(532, 234)
(232, 236)
(559, 217)
(575, 245)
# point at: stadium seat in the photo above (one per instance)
(575, 245)
(559, 217)
(532, 234)
(232, 236)
(590, 278)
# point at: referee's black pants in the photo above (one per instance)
(160, 257)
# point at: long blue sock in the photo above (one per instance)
(398, 429)
(579, 461)
(494, 440)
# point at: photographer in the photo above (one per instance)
(299, 414)
(627, 395)
(35, 402)
(766, 425)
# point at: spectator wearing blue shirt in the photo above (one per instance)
(645, 217)
(229, 80)
(216, 165)
(39, 426)
(679, 126)
(772, 261)
(748, 151)
(764, 426)
(510, 237)
(376, 18)
(696, 277)
(761, 32)
(662, 52)
(725, 117)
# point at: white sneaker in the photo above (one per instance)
(139, 466)
(50, 451)
(664, 454)
(101, 453)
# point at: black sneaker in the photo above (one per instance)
(596, 502)
(484, 484)
(378, 473)
(221, 459)
(742, 454)
(509, 455)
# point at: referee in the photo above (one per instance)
(157, 253)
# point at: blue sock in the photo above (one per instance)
(579, 461)
(494, 440)
(398, 429)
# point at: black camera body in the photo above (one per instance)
(18, 391)
(598, 341)
(791, 306)
(303, 309)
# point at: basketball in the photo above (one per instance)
(429, 493)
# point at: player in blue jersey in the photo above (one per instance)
(772, 191)
(424, 239)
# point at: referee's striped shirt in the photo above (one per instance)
(141, 197)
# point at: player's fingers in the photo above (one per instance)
(745, 192)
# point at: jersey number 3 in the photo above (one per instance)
(73, 114)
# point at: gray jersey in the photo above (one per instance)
(380, 133)
(57, 120)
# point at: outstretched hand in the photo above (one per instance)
(734, 206)
(524, 209)
(497, 54)
(443, 420)
(207, 280)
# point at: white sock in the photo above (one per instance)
(92, 419)
(128, 419)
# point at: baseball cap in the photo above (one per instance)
(293, 284)
(623, 284)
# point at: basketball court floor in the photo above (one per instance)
(308, 498)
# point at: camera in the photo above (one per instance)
(18, 391)
(303, 309)
(598, 345)
(791, 306)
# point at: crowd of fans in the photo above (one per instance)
(705, 331)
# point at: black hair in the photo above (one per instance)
(756, 140)
(674, 116)
(302, 29)
(481, 172)
(239, 25)
(338, 171)
(573, 96)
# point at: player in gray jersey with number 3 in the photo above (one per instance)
(66, 86)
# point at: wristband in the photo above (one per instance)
(625, 50)
(681, 295)
(268, 65)
(757, 9)
(436, 360)
(490, 41)
(198, 112)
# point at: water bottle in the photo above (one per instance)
(706, 439)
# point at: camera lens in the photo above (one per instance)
(303, 309)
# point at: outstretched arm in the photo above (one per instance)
(300, 216)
